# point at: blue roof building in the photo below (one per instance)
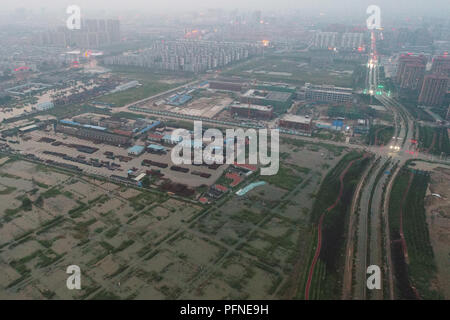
(136, 150)
(156, 147)
(168, 138)
(69, 122)
(150, 127)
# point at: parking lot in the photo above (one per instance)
(33, 146)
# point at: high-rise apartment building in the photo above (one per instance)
(434, 90)
(411, 71)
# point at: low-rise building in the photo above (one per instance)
(277, 99)
(156, 149)
(93, 133)
(327, 93)
(136, 150)
(298, 123)
(252, 111)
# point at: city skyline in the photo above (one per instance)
(330, 7)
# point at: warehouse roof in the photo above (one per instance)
(268, 95)
(252, 106)
(156, 147)
(136, 149)
(297, 119)
(27, 128)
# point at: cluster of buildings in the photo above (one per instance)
(28, 89)
(188, 56)
(105, 130)
(256, 100)
(263, 100)
(280, 95)
(432, 87)
(343, 41)
(44, 106)
(19, 61)
(92, 34)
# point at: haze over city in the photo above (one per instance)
(225, 151)
(331, 7)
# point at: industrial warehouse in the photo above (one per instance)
(277, 99)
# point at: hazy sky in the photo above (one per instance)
(406, 7)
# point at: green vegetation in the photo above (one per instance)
(380, 135)
(50, 224)
(151, 84)
(51, 193)
(352, 112)
(327, 278)
(105, 295)
(329, 135)
(434, 140)
(440, 111)
(293, 69)
(41, 185)
(417, 113)
(27, 205)
(421, 269)
(7, 190)
(369, 99)
(144, 199)
(72, 110)
(246, 215)
(286, 178)
(336, 150)
(5, 100)
(77, 211)
(111, 233)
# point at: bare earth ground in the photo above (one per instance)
(438, 218)
(131, 243)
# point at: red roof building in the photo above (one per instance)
(235, 177)
(221, 188)
(246, 166)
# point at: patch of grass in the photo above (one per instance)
(8, 190)
(286, 178)
(434, 140)
(421, 270)
(111, 233)
(51, 193)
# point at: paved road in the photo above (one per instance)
(362, 234)
(368, 244)
(375, 241)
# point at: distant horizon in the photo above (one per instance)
(327, 7)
